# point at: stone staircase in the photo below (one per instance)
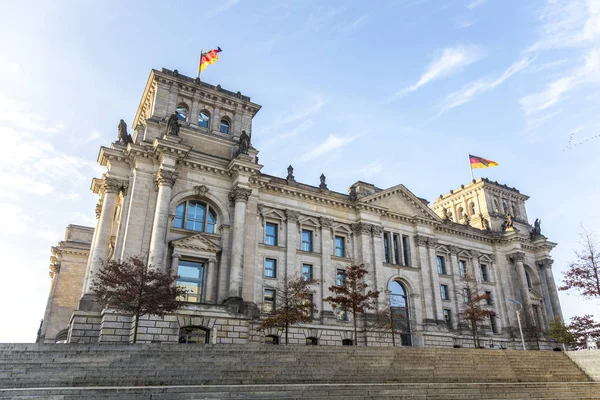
(172, 371)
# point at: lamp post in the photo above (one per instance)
(519, 320)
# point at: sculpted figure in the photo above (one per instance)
(323, 185)
(123, 136)
(509, 220)
(446, 217)
(173, 125)
(290, 175)
(537, 227)
(244, 143)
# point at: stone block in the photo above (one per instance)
(233, 334)
(240, 329)
(240, 341)
(234, 322)
(226, 340)
(123, 318)
(112, 325)
(109, 317)
(170, 331)
(109, 331)
(122, 332)
(154, 330)
(147, 323)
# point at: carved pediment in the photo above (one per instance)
(534, 295)
(400, 200)
(196, 242)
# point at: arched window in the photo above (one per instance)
(400, 312)
(528, 280)
(195, 216)
(347, 342)
(224, 127)
(204, 119)
(450, 215)
(182, 112)
(496, 209)
(61, 337)
(312, 341)
(272, 339)
(459, 214)
(472, 208)
(194, 334)
(514, 210)
(504, 207)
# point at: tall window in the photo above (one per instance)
(448, 318)
(204, 119)
(459, 214)
(405, 250)
(484, 273)
(271, 234)
(224, 126)
(400, 313)
(270, 268)
(472, 208)
(308, 301)
(396, 252)
(340, 277)
(528, 278)
(341, 314)
(467, 296)
(441, 265)
(444, 291)
(307, 240)
(493, 324)
(194, 334)
(268, 301)
(181, 112)
(340, 247)
(488, 299)
(195, 216)
(462, 266)
(386, 247)
(191, 277)
(307, 272)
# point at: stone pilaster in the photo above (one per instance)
(325, 280)
(223, 278)
(211, 281)
(377, 251)
(517, 258)
(165, 180)
(429, 316)
(240, 196)
(435, 282)
(552, 292)
(292, 242)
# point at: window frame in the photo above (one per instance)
(275, 237)
(448, 318)
(441, 265)
(396, 248)
(274, 268)
(343, 247)
(207, 113)
(208, 210)
(386, 247)
(310, 242)
(266, 301)
(187, 112)
(444, 292)
(485, 273)
(405, 240)
(200, 282)
(228, 123)
(310, 269)
(340, 273)
(489, 301)
(462, 268)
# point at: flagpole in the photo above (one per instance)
(470, 167)
(200, 65)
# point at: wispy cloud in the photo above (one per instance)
(224, 6)
(371, 169)
(331, 144)
(448, 61)
(570, 23)
(556, 90)
(472, 90)
(475, 3)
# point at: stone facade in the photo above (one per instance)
(199, 198)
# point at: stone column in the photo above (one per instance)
(292, 242)
(175, 262)
(377, 251)
(499, 295)
(517, 258)
(99, 253)
(545, 293)
(435, 282)
(325, 280)
(552, 292)
(240, 197)
(429, 316)
(363, 234)
(94, 238)
(223, 275)
(211, 281)
(165, 181)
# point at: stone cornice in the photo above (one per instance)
(407, 195)
(167, 147)
(116, 153)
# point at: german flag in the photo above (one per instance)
(209, 58)
(480, 162)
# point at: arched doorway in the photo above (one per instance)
(400, 312)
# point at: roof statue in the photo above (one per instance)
(244, 143)
(123, 136)
(322, 185)
(173, 125)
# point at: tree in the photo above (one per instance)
(560, 332)
(353, 295)
(131, 287)
(583, 328)
(474, 311)
(293, 305)
(583, 274)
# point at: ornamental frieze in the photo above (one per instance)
(421, 240)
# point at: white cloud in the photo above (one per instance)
(449, 61)
(475, 3)
(226, 5)
(571, 23)
(472, 90)
(332, 143)
(556, 90)
(371, 169)
(295, 131)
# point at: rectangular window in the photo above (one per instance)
(191, 277)
(493, 324)
(340, 246)
(467, 296)
(307, 240)
(342, 314)
(307, 272)
(396, 253)
(444, 291)
(405, 250)
(268, 301)
(340, 277)
(441, 265)
(462, 266)
(448, 318)
(386, 247)
(308, 302)
(488, 299)
(484, 273)
(270, 268)
(271, 234)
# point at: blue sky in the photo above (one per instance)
(397, 92)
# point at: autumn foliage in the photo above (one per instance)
(474, 311)
(583, 274)
(134, 288)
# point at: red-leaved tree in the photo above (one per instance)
(583, 275)
(353, 295)
(134, 288)
(474, 308)
(583, 328)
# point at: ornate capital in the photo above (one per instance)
(454, 249)
(212, 260)
(492, 257)
(545, 262)
(362, 228)
(98, 209)
(166, 178)
(475, 253)
(326, 222)
(54, 269)
(113, 185)
(240, 194)
(259, 208)
(421, 240)
(377, 230)
(176, 255)
(201, 190)
(517, 256)
(432, 242)
(292, 216)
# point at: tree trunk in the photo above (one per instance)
(135, 328)
(286, 333)
(474, 331)
(355, 330)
